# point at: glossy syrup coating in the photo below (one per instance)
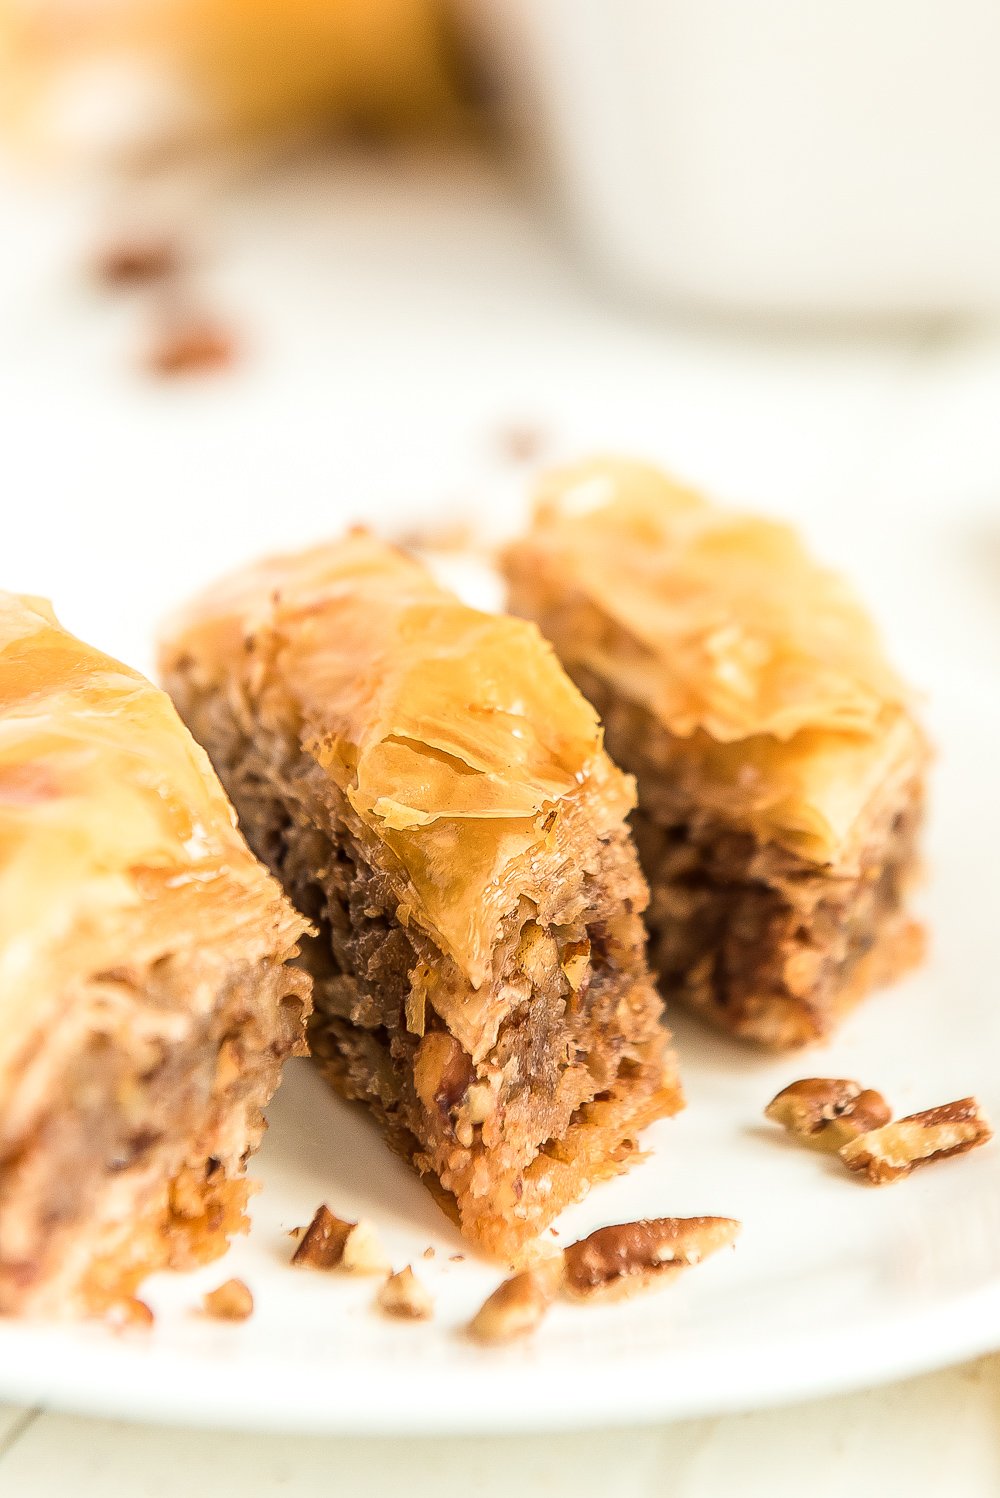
(455, 734)
(762, 665)
(117, 843)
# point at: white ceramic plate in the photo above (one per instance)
(118, 498)
(832, 1284)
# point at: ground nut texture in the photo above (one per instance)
(760, 940)
(145, 1000)
(780, 769)
(480, 978)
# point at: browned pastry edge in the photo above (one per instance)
(762, 943)
(136, 1164)
(580, 1063)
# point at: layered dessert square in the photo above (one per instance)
(145, 1002)
(780, 767)
(433, 793)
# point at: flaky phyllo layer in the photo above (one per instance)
(761, 665)
(455, 735)
(114, 830)
(434, 792)
(779, 766)
(131, 913)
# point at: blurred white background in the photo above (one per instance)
(420, 319)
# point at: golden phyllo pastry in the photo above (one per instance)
(145, 1004)
(779, 765)
(433, 792)
(178, 72)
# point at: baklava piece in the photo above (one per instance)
(433, 792)
(146, 1006)
(779, 765)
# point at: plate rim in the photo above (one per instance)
(503, 1399)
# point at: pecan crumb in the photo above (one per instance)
(404, 1296)
(322, 1244)
(331, 1243)
(828, 1112)
(521, 442)
(429, 1252)
(191, 344)
(887, 1153)
(629, 1256)
(232, 1301)
(137, 260)
(442, 1073)
(518, 1305)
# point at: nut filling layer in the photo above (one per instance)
(779, 764)
(146, 1008)
(480, 978)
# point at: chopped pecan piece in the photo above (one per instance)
(404, 1296)
(442, 1072)
(886, 1154)
(137, 260)
(331, 1243)
(828, 1112)
(322, 1244)
(232, 1301)
(519, 1304)
(620, 1260)
(520, 441)
(190, 344)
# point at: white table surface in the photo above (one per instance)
(442, 309)
(939, 1435)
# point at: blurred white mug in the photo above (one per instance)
(820, 158)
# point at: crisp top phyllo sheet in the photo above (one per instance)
(116, 839)
(145, 1004)
(433, 790)
(455, 735)
(722, 626)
